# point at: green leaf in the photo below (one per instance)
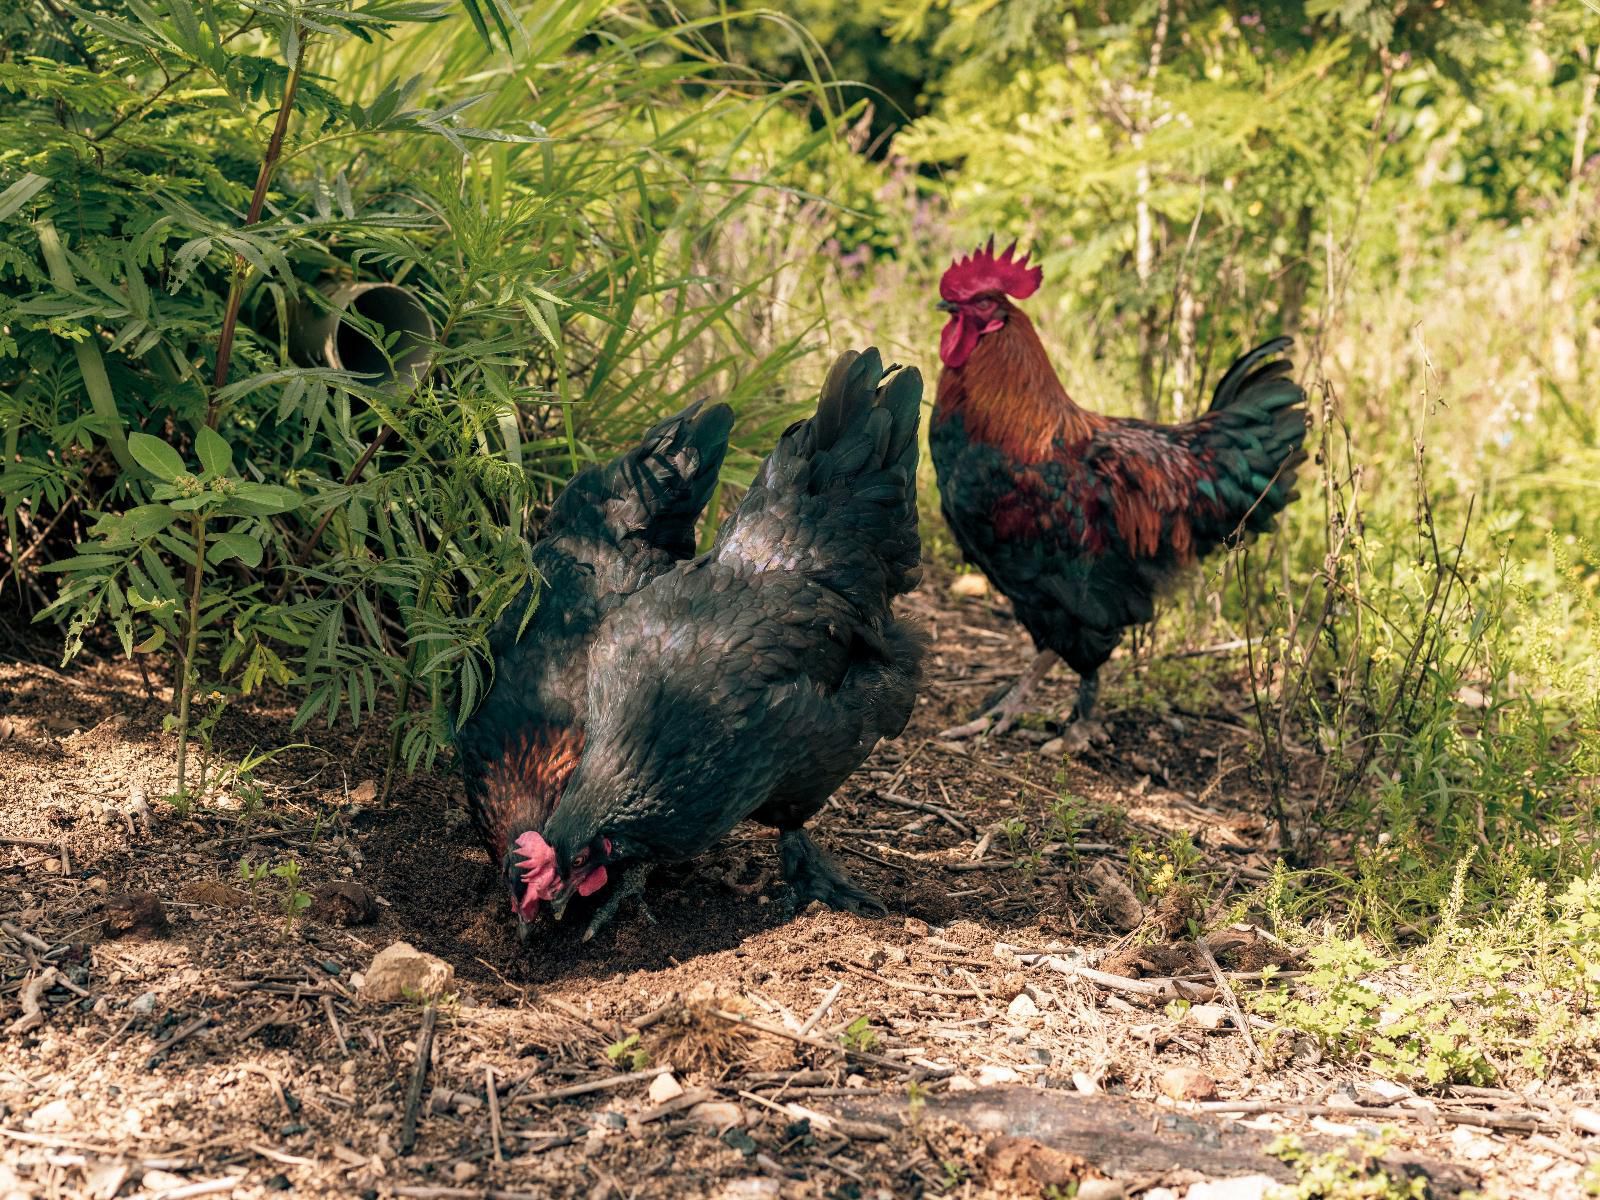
(234, 545)
(214, 453)
(155, 456)
(146, 521)
(20, 192)
(263, 499)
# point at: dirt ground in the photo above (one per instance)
(1008, 1030)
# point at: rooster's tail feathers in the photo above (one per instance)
(1255, 432)
(655, 491)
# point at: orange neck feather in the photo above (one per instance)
(1009, 397)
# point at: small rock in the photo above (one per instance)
(875, 957)
(1022, 1008)
(52, 1115)
(1053, 749)
(343, 903)
(855, 1081)
(1085, 1083)
(467, 1103)
(1209, 1016)
(960, 1083)
(664, 1088)
(1186, 1083)
(1161, 1193)
(717, 1114)
(464, 1172)
(916, 928)
(1101, 1189)
(279, 1183)
(134, 912)
(754, 1188)
(98, 884)
(971, 586)
(402, 972)
(1114, 901)
(1040, 1055)
(896, 954)
(380, 1110)
(1381, 1092)
(145, 1004)
(364, 792)
(1240, 1187)
(991, 1074)
(160, 1181)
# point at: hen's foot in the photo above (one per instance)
(1002, 714)
(814, 875)
(632, 884)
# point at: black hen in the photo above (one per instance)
(612, 529)
(752, 680)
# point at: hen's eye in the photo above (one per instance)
(583, 857)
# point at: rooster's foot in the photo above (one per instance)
(1002, 714)
(814, 875)
(632, 884)
(1081, 735)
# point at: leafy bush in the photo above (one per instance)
(181, 182)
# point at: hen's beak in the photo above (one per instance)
(945, 306)
(558, 903)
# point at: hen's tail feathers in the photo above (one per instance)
(1255, 430)
(656, 491)
(837, 497)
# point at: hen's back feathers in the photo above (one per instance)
(837, 498)
(655, 492)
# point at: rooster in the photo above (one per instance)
(752, 680)
(1080, 518)
(612, 529)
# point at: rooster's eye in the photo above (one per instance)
(583, 857)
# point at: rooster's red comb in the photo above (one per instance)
(984, 271)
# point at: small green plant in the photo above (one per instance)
(251, 875)
(1351, 1172)
(859, 1035)
(206, 517)
(629, 1053)
(295, 899)
(1015, 830)
(916, 1100)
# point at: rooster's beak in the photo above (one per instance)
(945, 306)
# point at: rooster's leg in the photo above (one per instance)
(1088, 689)
(814, 875)
(632, 884)
(1003, 713)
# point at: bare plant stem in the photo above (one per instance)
(258, 200)
(186, 671)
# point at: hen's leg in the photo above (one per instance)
(814, 875)
(632, 884)
(1003, 714)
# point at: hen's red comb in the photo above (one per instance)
(984, 271)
